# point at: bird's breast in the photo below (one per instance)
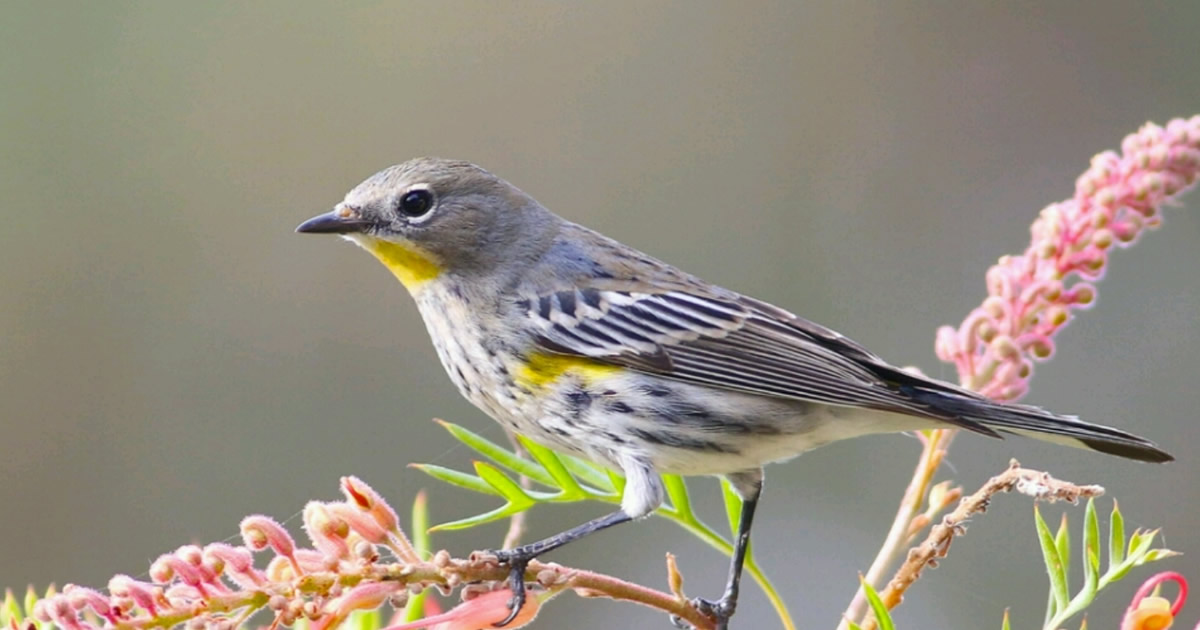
(479, 351)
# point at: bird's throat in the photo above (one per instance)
(412, 267)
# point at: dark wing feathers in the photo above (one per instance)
(733, 343)
(738, 343)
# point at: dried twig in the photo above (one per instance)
(1035, 483)
(935, 445)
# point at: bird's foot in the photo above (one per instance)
(720, 611)
(517, 560)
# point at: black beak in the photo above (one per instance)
(339, 221)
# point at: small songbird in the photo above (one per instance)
(593, 348)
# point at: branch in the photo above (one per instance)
(936, 444)
(1037, 484)
(219, 584)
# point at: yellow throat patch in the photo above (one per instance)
(411, 266)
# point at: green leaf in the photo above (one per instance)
(494, 482)
(1154, 555)
(772, 594)
(733, 511)
(362, 620)
(563, 479)
(497, 514)
(420, 524)
(618, 481)
(603, 484)
(499, 454)
(507, 488)
(591, 474)
(11, 611)
(733, 507)
(1139, 551)
(414, 609)
(1004, 624)
(1091, 543)
(1084, 598)
(1054, 565)
(681, 503)
(1115, 574)
(1139, 545)
(1116, 536)
(456, 478)
(1062, 544)
(882, 616)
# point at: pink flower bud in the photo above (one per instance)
(169, 566)
(483, 611)
(1102, 238)
(946, 345)
(260, 531)
(1081, 295)
(1116, 198)
(238, 564)
(365, 497)
(327, 532)
(145, 596)
(58, 610)
(311, 561)
(81, 597)
(193, 555)
(997, 307)
(365, 596)
(360, 522)
(280, 570)
(184, 597)
(1004, 348)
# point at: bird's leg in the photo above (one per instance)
(748, 485)
(518, 558)
(643, 494)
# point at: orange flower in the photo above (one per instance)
(1151, 612)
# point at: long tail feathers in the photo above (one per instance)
(1038, 423)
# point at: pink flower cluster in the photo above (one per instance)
(1029, 298)
(218, 585)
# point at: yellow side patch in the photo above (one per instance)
(410, 266)
(542, 369)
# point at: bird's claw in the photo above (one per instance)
(517, 563)
(720, 610)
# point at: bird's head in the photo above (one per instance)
(429, 216)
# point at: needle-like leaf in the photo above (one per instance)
(499, 454)
(456, 478)
(1054, 565)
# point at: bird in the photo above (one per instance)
(593, 348)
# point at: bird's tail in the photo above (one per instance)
(987, 416)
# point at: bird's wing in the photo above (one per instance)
(731, 342)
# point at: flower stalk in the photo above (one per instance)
(1032, 296)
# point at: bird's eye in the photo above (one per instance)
(416, 203)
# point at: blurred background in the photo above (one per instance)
(173, 357)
